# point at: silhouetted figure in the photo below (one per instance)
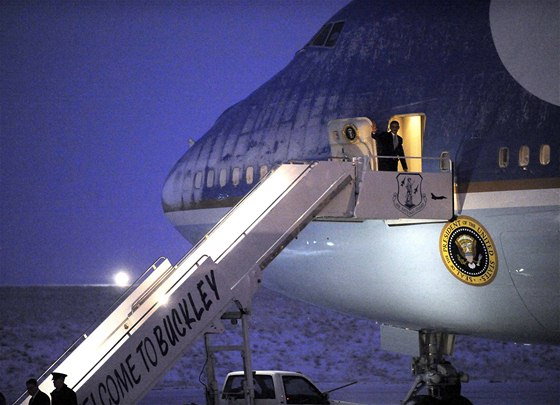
(390, 144)
(38, 397)
(62, 395)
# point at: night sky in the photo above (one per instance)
(98, 102)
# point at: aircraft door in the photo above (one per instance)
(412, 131)
(351, 137)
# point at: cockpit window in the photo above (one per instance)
(320, 38)
(334, 34)
(328, 35)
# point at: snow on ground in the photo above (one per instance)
(37, 324)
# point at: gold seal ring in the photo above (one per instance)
(468, 252)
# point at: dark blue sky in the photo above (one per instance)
(98, 102)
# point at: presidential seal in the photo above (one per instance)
(350, 132)
(468, 252)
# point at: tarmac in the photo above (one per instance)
(478, 392)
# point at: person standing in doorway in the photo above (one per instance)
(390, 149)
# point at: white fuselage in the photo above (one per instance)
(395, 274)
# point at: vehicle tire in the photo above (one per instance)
(423, 400)
(460, 400)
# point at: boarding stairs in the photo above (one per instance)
(151, 328)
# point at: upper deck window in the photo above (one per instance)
(503, 157)
(524, 156)
(236, 176)
(444, 162)
(263, 171)
(544, 154)
(328, 35)
(249, 175)
(198, 180)
(223, 177)
(210, 178)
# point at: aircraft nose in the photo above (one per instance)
(173, 188)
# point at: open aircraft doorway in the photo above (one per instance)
(412, 132)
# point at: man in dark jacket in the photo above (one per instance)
(38, 397)
(390, 144)
(62, 395)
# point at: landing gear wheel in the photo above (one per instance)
(434, 374)
(423, 400)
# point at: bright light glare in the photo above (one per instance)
(121, 279)
(163, 299)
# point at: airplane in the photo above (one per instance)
(473, 82)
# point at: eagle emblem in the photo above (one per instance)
(468, 251)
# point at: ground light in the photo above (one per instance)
(121, 279)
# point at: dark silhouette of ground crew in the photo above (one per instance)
(38, 397)
(62, 395)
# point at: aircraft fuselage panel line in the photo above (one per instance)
(129, 352)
